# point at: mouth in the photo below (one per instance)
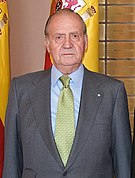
(67, 54)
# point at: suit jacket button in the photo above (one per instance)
(65, 173)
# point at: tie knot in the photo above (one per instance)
(65, 80)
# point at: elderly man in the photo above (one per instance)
(67, 121)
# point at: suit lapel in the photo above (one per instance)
(90, 102)
(40, 99)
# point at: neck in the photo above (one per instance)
(67, 70)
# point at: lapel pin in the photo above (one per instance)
(99, 95)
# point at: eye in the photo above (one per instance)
(75, 36)
(58, 38)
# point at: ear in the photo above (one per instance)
(86, 41)
(47, 44)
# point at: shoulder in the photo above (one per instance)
(101, 77)
(31, 79)
(102, 80)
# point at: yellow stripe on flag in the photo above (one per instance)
(89, 13)
(4, 59)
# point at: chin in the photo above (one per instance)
(69, 61)
(69, 64)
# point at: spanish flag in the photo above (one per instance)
(4, 74)
(88, 9)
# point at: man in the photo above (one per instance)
(101, 142)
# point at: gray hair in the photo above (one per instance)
(61, 11)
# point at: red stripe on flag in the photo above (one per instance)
(48, 62)
(54, 6)
(1, 147)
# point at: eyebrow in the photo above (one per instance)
(75, 32)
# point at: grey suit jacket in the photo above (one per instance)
(102, 144)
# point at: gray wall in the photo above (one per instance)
(27, 19)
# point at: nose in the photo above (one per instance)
(68, 42)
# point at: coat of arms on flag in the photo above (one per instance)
(80, 6)
(3, 21)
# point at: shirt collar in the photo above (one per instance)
(76, 76)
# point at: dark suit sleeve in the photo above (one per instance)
(121, 134)
(133, 151)
(12, 156)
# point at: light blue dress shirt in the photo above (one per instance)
(56, 86)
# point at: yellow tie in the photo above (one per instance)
(65, 127)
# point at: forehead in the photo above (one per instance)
(65, 22)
